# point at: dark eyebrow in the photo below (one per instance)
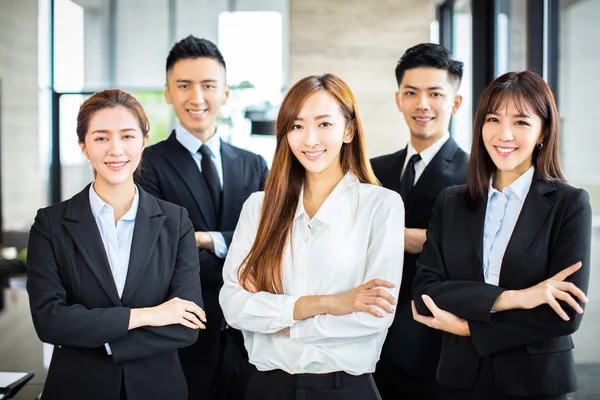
(429, 88)
(521, 115)
(107, 131)
(184, 80)
(317, 117)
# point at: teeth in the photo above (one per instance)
(423, 119)
(196, 112)
(506, 149)
(314, 154)
(116, 164)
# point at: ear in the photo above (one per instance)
(350, 131)
(167, 94)
(457, 102)
(146, 141)
(398, 101)
(82, 147)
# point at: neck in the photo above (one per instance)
(119, 197)
(503, 179)
(317, 187)
(421, 144)
(204, 134)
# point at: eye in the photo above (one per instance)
(209, 87)
(296, 127)
(100, 139)
(183, 86)
(435, 94)
(522, 123)
(325, 124)
(491, 119)
(129, 136)
(409, 93)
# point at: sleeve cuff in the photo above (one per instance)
(108, 350)
(219, 244)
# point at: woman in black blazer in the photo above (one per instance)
(506, 264)
(113, 276)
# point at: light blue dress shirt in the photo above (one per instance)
(116, 239)
(192, 144)
(501, 215)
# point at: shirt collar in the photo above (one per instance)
(520, 187)
(97, 204)
(339, 201)
(192, 143)
(430, 152)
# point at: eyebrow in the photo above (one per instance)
(521, 115)
(107, 131)
(184, 80)
(429, 88)
(317, 117)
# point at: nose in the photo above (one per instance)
(505, 133)
(423, 102)
(197, 95)
(116, 147)
(312, 138)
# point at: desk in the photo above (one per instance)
(20, 348)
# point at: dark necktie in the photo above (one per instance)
(209, 171)
(408, 178)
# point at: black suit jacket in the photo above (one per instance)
(531, 349)
(169, 172)
(75, 304)
(411, 345)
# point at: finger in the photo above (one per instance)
(570, 287)
(431, 305)
(193, 319)
(567, 298)
(363, 307)
(379, 292)
(384, 305)
(378, 282)
(558, 309)
(187, 324)
(418, 317)
(190, 306)
(565, 273)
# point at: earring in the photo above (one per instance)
(540, 145)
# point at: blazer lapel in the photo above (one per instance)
(233, 172)
(476, 221)
(185, 166)
(530, 221)
(438, 164)
(148, 223)
(80, 223)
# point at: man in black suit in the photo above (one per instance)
(428, 81)
(212, 179)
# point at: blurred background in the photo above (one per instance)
(54, 53)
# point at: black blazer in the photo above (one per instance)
(411, 345)
(75, 304)
(170, 173)
(531, 349)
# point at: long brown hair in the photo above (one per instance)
(529, 92)
(262, 268)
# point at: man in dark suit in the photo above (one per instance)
(428, 81)
(212, 179)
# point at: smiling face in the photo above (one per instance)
(318, 133)
(427, 100)
(510, 136)
(197, 89)
(114, 143)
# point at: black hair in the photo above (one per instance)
(191, 48)
(430, 55)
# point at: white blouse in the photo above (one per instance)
(357, 235)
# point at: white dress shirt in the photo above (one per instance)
(426, 155)
(356, 236)
(501, 215)
(192, 144)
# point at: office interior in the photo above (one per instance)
(54, 53)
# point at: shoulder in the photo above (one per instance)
(247, 155)
(253, 204)
(156, 150)
(382, 162)
(572, 195)
(379, 196)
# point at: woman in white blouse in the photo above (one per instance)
(315, 264)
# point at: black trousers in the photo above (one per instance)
(279, 385)
(216, 366)
(395, 383)
(485, 387)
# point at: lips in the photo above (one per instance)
(423, 120)
(505, 151)
(116, 165)
(197, 113)
(314, 155)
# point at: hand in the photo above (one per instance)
(551, 290)
(204, 241)
(414, 240)
(441, 320)
(177, 311)
(363, 299)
